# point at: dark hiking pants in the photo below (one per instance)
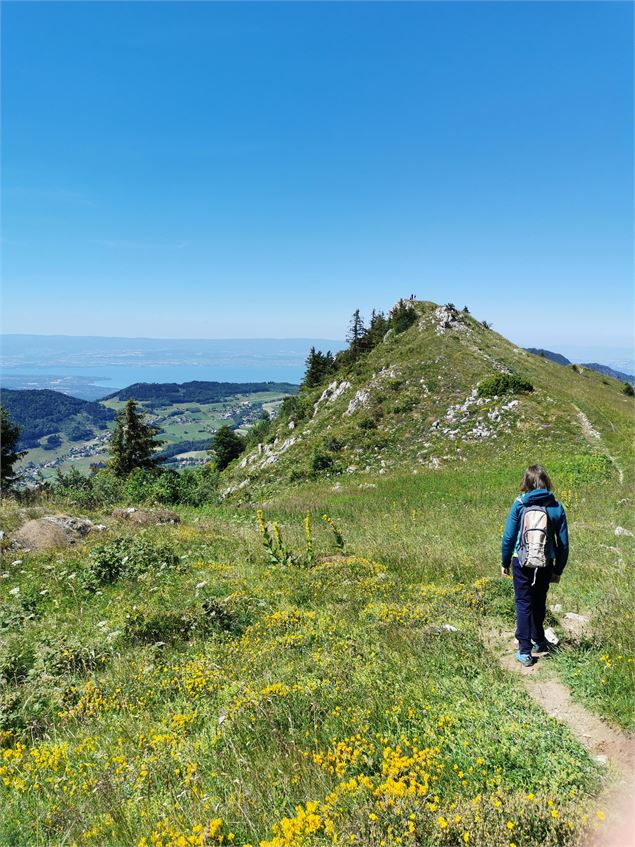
(530, 593)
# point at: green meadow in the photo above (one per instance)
(304, 660)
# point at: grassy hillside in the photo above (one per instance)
(413, 402)
(42, 413)
(282, 679)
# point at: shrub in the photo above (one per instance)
(333, 444)
(106, 488)
(126, 557)
(293, 408)
(499, 384)
(231, 615)
(198, 485)
(152, 486)
(259, 431)
(628, 389)
(404, 406)
(152, 626)
(321, 462)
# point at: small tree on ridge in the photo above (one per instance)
(133, 442)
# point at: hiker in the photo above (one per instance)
(536, 545)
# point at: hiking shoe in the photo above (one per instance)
(525, 659)
(542, 647)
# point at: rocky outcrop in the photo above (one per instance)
(53, 531)
(147, 517)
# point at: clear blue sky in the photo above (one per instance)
(238, 170)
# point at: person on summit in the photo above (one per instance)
(536, 546)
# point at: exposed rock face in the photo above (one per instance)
(360, 400)
(147, 517)
(331, 393)
(52, 531)
(445, 318)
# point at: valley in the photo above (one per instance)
(81, 441)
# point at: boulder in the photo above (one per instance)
(51, 531)
(146, 517)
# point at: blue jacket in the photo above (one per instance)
(557, 519)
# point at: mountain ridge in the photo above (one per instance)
(417, 400)
(605, 370)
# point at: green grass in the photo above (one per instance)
(225, 687)
(181, 687)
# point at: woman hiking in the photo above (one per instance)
(536, 545)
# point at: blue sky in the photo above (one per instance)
(239, 170)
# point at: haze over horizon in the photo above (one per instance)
(261, 170)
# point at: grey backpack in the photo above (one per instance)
(533, 541)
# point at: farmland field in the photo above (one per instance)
(178, 423)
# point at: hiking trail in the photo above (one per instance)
(607, 745)
(594, 437)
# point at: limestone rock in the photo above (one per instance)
(146, 517)
(51, 531)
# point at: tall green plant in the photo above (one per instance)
(133, 442)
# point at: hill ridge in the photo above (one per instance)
(417, 399)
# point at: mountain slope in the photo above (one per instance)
(605, 370)
(558, 358)
(44, 412)
(414, 402)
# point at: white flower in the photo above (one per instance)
(15, 591)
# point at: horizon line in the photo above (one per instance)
(170, 338)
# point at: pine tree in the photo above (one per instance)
(356, 332)
(318, 365)
(9, 437)
(402, 316)
(378, 327)
(226, 446)
(133, 442)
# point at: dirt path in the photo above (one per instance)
(594, 437)
(608, 746)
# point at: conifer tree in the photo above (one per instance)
(133, 442)
(318, 365)
(356, 332)
(377, 328)
(226, 446)
(9, 437)
(402, 315)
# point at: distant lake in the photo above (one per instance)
(93, 367)
(110, 378)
